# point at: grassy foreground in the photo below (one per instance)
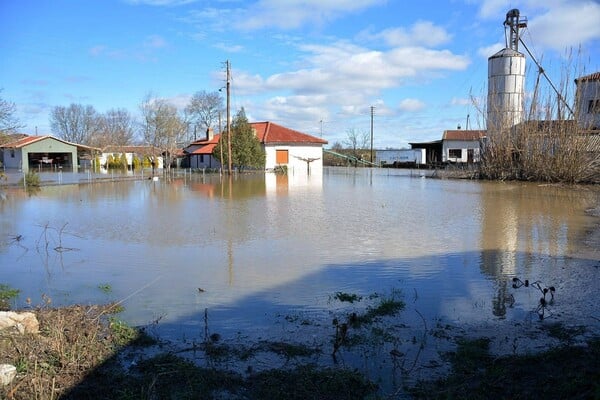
(79, 354)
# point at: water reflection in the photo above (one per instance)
(290, 241)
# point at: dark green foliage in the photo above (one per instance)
(562, 373)
(308, 382)
(347, 297)
(7, 293)
(246, 150)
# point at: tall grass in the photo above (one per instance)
(548, 145)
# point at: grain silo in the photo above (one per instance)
(506, 79)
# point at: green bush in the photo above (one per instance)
(31, 179)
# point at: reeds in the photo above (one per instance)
(554, 142)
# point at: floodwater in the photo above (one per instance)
(264, 255)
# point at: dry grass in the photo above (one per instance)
(72, 341)
(549, 151)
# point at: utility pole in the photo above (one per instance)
(220, 138)
(228, 119)
(372, 114)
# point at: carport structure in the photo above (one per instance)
(40, 153)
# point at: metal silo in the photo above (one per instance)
(506, 79)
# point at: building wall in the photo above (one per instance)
(204, 161)
(48, 146)
(295, 155)
(464, 146)
(12, 158)
(588, 91)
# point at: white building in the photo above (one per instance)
(297, 151)
(462, 146)
(588, 101)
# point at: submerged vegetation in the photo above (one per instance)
(568, 372)
(88, 352)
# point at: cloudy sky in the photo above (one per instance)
(317, 66)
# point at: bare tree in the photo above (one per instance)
(356, 140)
(76, 123)
(203, 110)
(8, 122)
(162, 127)
(115, 127)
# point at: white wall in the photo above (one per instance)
(464, 145)
(588, 90)
(295, 164)
(12, 162)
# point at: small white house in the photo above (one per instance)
(199, 152)
(462, 146)
(297, 151)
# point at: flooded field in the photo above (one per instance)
(268, 258)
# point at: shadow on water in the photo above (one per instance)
(239, 351)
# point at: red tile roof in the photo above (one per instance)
(270, 133)
(24, 141)
(32, 139)
(207, 145)
(463, 134)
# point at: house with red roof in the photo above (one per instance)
(43, 153)
(462, 145)
(297, 151)
(199, 152)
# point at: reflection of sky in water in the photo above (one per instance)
(259, 247)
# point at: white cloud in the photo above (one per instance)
(344, 68)
(422, 33)
(488, 51)
(567, 25)
(411, 105)
(155, 42)
(491, 9)
(291, 14)
(460, 101)
(171, 3)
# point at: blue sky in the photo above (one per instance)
(315, 65)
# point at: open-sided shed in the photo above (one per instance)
(40, 153)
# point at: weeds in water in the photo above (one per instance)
(477, 375)
(7, 293)
(347, 297)
(565, 334)
(542, 307)
(105, 288)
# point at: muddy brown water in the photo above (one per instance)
(264, 255)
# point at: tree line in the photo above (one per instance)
(160, 125)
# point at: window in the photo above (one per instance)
(12, 153)
(281, 157)
(454, 153)
(201, 158)
(594, 106)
